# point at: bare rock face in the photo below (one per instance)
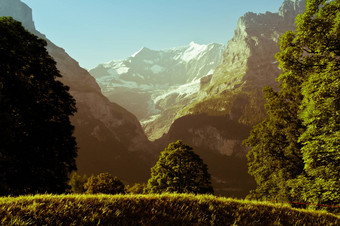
(110, 139)
(250, 55)
(19, 11)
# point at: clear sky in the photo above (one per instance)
(98, 31)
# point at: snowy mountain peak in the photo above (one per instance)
(192, 43)
(193, 51)
(143, 49)
(139, 82)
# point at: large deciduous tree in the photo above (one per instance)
(295, 153)
(37, 148)
(179, 170)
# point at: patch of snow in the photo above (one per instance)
(120, 83)
(186, 89)
(148, 61)
(135, 54)
(139, 76)
(122, 70)
(210, 72)
(193, 51)
(150, 119)
(146, 87)
(156, 69)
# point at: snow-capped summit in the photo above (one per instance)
(148, 76)
(194, 51)
(143, 50)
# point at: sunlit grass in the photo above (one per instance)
(175, 209)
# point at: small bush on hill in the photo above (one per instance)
(104, 183)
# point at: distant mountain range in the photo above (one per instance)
(151, 82)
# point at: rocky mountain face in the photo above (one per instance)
(230, 100)
(249, 57)
(155, 84)
(110, 139)
(18, 11)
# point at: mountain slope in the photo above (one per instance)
(110, 139)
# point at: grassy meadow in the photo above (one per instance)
(164, 209)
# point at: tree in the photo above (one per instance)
(37, 148)
(180, 170)
(104, 183)
(319, 33)
(77, 183)
(297, 148)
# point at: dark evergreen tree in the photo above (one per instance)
(37, 148)
(179, 170)
(295, 153)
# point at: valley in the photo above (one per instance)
(208, 95)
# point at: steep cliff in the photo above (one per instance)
(110, 139)
(249, 57)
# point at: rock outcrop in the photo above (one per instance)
(250, 55)
(19, 11)
(110, 139)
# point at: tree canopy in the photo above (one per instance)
(179, 170)
(295, 152)
(37, 148)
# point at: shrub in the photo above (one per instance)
(104, 183)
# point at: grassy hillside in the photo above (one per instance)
(167, 209)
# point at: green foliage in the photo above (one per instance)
(136, 188)
(37, 151)
(244, 105)
(77, 183)
(296, 150)
(320, 108)
(104, 183)
(179, 170)
(162, 209)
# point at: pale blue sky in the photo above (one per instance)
(97, 31)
